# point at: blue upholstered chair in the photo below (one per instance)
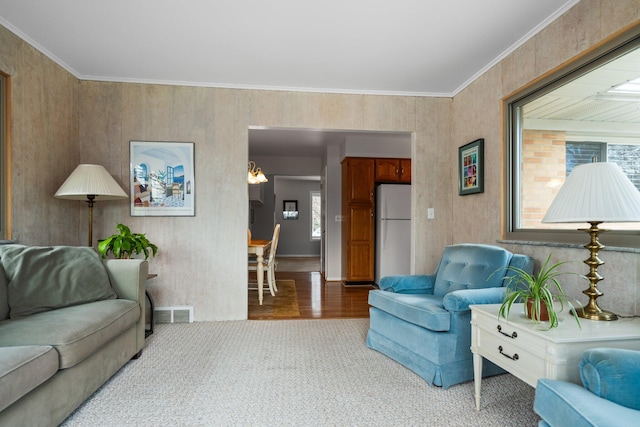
(423, 321)
(610, 395)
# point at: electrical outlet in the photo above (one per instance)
(431, 213)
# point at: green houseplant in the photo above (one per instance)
(125, 243)
(540, 292)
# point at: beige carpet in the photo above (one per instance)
(284, 304)
(288, 373)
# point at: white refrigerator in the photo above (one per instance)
(393, 230)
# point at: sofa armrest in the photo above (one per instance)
(613, 374)
(410, 284)
(562, 403)
(128, 278)
(460, 300)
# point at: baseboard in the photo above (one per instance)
(359, 284)
(180, 314)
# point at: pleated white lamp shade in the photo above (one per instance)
(90, 180)
(596, 192)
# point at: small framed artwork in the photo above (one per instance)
(289, 209)
(471, 168)
(162, 178)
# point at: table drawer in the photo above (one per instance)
(513, 358)
(511, 333)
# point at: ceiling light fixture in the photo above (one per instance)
(254, 174)
(631, 87)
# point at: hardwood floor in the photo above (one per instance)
(319, 299)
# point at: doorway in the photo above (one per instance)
(319, 152)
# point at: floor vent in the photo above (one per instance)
(173, 314)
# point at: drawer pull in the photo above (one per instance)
(513, 335)
(514, 357)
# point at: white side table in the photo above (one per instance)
(529, 351)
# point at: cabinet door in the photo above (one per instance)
(360, 245)
(360, 180)
(361, 226)
(405, 170)
(387, 170)
(360, 266)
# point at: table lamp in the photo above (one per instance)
(90, 183)
(595, 193)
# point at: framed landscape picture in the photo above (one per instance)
(471, 167)
(162, 178)
(290, 209)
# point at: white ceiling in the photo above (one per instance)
(411, 47)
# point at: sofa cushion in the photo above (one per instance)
(46, 278)
(75, 332)
(470, 266)
(420, 309)
(24, 368)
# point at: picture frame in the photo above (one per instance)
(471, 168)
(289, 209)
(162, 178)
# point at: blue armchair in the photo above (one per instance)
(610, 395)
(424, 322)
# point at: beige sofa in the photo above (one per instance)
(70, 322)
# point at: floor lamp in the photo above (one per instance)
(595, 193)
(90, 183)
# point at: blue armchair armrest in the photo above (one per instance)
(412, 284)
(561, 403)
(460, 300)
(613, 374)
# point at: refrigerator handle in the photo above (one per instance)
(383, 233)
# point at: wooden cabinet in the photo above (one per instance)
(393, 170)
(360, 245)
(359, 181)
(405, 170)
(358, 209)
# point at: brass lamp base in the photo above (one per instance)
(591, 311)
(595, 314)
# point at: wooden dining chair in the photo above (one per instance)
(269, 262)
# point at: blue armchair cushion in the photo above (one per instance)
(613, 374)
(470, 266)
(561, 403)
(423, 310)
(412, 284)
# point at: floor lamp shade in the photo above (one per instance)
(90, 183)
(90, 180)
(595, 193)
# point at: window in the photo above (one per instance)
(316, 216)
(587, 113)
(5, 232)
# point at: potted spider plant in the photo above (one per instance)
(541, 293)
(125, 243)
